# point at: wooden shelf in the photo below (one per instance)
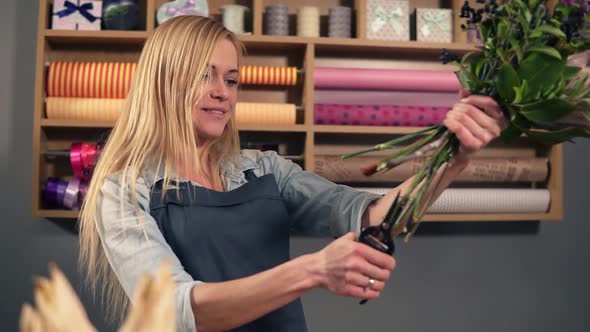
(68, 214)
(95, 37)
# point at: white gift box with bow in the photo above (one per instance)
(388, 20)
(434, 25)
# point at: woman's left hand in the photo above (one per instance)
(476, 121)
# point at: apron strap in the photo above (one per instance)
(249, 174)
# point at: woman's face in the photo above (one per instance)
(216, 107)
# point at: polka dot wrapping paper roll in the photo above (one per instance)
(267, 75)
(379, 115)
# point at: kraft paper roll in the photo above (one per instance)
(90, 79)
(91, 109)
(378, 115)
(487, 152)
(266, 113)
(385, 79)
(479, 170)
(386, 97)
(484, 200)
(268, 75)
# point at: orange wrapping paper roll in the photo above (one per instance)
(266, 75)
(90, 79)
(91, 109)
(266, 113)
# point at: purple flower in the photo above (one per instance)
(583, 4)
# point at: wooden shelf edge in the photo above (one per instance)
(96, 36)
(52, 123)
(364, 129)
(508, 217)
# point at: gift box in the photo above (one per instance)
(434, 25)
(388, 20)
(76, 15)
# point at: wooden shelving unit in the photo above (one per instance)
(302, 52)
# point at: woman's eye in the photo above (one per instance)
(231, 83)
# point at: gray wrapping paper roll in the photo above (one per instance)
(277, 20)
(484, 200)
(339, 22)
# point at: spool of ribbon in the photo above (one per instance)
(89, 79)
(339, 22)
(54, 193)
(276, 20)
(71, 8)
(60, 194)
(83, 158)
(308, 21)
(71, 196)
(233, 17)
(267, 75)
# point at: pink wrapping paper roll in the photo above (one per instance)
(385, 79)
(385, 97)
(91, 109)
(378, 115)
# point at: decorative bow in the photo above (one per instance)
(83, 10)
(434, 19)
(383, 17)
(173, 11)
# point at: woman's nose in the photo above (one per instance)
(218, 89)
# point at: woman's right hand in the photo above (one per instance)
(345, 267)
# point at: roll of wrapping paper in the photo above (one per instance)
(90, 79)
(268, 75)
(490, 151)
(486, 200)
(372, 97)
(266, 113)
(378, 115)
(91, 109)
(478, 170)
(385, 79)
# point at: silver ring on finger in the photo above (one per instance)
(370, 284)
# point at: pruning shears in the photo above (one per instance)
(379, 237)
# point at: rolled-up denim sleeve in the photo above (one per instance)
(134, 245)
(316, 205)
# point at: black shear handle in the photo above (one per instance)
(375, 238)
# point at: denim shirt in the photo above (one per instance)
(134, 245)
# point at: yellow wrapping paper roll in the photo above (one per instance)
(90, 79)
(266, 113)
(91, 109)
(103, 109)
(267, 75)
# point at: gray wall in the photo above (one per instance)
(451, 277)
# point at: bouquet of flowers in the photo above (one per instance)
(522, 64)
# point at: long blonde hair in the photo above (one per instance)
(156, 128)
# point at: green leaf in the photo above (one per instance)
(466, 57)
(466, 78)
(546, 110)
(551, 30)
(557, 136)
(541, 72)
(570, 71)
(578, 86)
(506, 80)
(511, 133)
(502, 29)
(516, 47)
(520, 92)
(536, 34)
(550, 51)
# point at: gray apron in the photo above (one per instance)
(221, 236)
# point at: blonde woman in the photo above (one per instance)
(172, 183)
